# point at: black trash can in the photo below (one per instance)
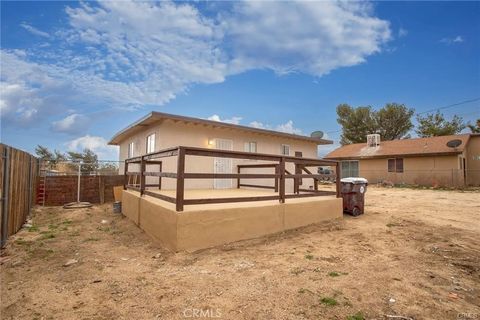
(353, 194)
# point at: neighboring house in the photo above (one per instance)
(420, 161)
(158, 131)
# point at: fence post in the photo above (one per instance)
(339, 175)
(276, 178)
(30, 182)
(238, 179)
(160, 178)
(282, 179)
(5, 195)
(180, 179)
(296, 181)
(142, 175)
(125, 175)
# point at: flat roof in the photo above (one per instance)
(154, 117)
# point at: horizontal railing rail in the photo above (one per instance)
(136, 180)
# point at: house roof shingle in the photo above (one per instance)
(404, 147)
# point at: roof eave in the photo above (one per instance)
(395, 155)
(116, 139)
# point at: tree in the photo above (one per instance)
(88, 158)
(43, 153)
(53, 157)
(356, 123)
(393, 121)
(433, 125)
(474, 128)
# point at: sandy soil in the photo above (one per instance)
(415, 253)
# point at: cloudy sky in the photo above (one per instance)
(75, 73)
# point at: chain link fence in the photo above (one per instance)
(66, 168)
(430, 178)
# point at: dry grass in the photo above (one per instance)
(414, 253)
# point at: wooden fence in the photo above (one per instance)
(18, 179)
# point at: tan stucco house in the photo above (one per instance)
(158, 131)
(420, 161)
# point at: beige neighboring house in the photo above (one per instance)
(420, 161)
(158, 131)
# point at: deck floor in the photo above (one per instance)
(234, 192)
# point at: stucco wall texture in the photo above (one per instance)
(171, 134)
(439, 170)
(448, 170)
(211, 225)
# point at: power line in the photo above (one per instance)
(423, 112)
(451, 105)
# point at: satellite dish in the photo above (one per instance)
(317, 134)
(454, 143)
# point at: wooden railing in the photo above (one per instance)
(279, 176)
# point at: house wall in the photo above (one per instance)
(171, 134)
(428, 171)
(472, 159)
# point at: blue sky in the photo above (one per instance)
(73, 74)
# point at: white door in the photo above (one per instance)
(222, 165)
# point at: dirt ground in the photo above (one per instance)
(415, 253)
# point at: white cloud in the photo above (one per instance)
(402, 32)
(313, 37)
(232, 120)
(96, 144)
(128, 54)
(287, 127)
(73, 123)
(34, 30)
(453, 40)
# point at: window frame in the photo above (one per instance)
(248, 146)
(131, 150)
(149, 144)
(282, 149)
(397, 161)
(349, 170)
(395, 165)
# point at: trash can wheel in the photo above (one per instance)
(356, 211)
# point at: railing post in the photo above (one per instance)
(238, 179)
(297, 181)
(143, 165)
(125, 175)
(180, 179)
(338, 179)
(160, 178)
(276, 178)
(282, 180)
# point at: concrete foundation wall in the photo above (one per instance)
(213, 225)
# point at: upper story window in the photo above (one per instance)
(285, 149)
(151, 143)
(395, 165)
(251, 146)
(131, 148)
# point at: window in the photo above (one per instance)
(131, 147)
(349, 169)
(285, 149)
(395, 165)
(151, 143)
(251, 146)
